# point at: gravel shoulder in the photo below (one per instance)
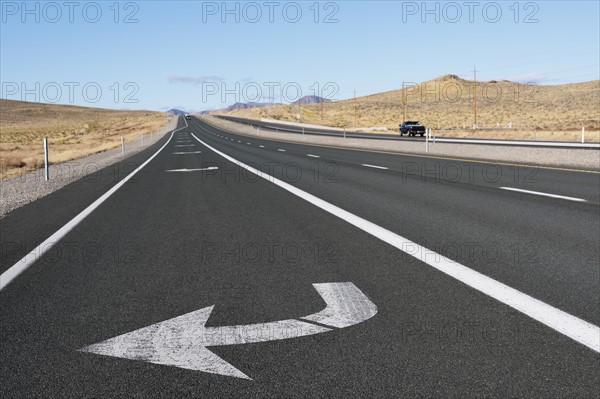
(573, 158)
(29, 187)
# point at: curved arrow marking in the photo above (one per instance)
(183, 341)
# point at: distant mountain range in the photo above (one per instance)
(311, 100)
(306, 100)
(238, 105)
(177, 112)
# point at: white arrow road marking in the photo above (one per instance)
(346, 306)
(183, 153)
(573, 327)
(192, 170)
(183, 341)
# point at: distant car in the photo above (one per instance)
(188, 117)
(412, 128)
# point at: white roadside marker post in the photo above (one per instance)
(582, 134)
(426, 140)
(344, 132)
(46, 171)
(122, 146)
(142, 135)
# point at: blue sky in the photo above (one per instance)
(194, 55)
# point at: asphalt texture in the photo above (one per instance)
(312, 130)
(169, 243)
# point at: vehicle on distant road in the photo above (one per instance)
(188, 116)
(412, 128)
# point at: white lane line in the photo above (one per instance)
(312, 156)
(374, 166)
(192, 170)
(37, 252)
(261, 146)
(248, 143)
(279, 149)
(544, 194)
(184, 153)
(577, 329)
(239, 141)
(186, 145)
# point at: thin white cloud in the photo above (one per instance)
(197, 80)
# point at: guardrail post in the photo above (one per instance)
(122, 146)
(46, 171)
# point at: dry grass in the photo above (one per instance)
(73, 132)
(446, 103)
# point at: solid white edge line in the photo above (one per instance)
(19, 267)
(573, 327)
(543, 194)
(374, 166)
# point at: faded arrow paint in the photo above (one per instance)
(183, 341)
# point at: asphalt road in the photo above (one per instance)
(193, 229)
(311, 130)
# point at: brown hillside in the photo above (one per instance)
(447, 103)
(72, 131)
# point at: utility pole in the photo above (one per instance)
(355, 108)
(474, 96)
(403, 102)
(321, 101)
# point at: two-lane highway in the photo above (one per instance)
(233, 266)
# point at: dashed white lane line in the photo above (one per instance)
(544, 194)
(279, 149)
(184, 153)
(186, 145)
(573, 327)
(261, 146)
(312, 156)
(248, 143)
(374, 166)
(192, 170)
(37, 252)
